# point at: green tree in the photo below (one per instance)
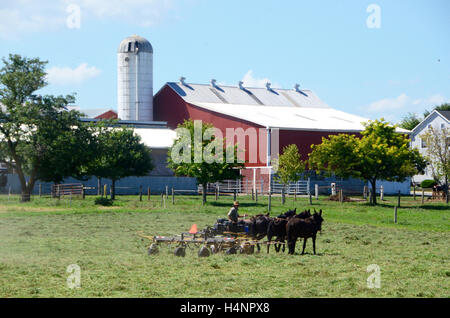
(380, 153)
(289, 165)
(198, 152)
(25, 118)
(438, 153)
(120, 154)
(410, 121)
(69, 146)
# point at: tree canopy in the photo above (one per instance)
(380, 153)
(28, 120)
(289, 165)
(198, 152)
(438, 153)
(120, 154)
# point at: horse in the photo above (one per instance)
(303, 228)
(277, 227)
(288, 214)
(258, 226)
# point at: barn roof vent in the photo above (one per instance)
(241, 85)
(268, 86)
(182, 81)
(297, 88)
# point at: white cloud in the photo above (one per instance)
(389, 103)
(23, 16)
(67, 75)
(251, 81)
(394, 109)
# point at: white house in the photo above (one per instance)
(438, 119)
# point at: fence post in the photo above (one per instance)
(253, 195)
(333, 189)
(83, 193)
(370, 197)
(173, 196)
(148, 193)
(99, 186)
(365, 192)
(381, 193)
(270, 201)
(282, 195)
(235, 195)
(105, 189)
(9, 192)
(398, 204)
(423, 194)
(414, 191)
(162, 198)
(256, 195)
(395, 215)
(40, 189)
(316, 191)
(218, 190)
(167, 191)
(140, 192)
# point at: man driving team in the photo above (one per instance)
(233, 215)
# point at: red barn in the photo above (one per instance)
(270, 118)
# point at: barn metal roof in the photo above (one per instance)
(274, 107)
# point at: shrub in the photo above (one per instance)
(104, 201)
(427, 183)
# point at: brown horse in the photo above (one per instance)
(303, 228)
(277, 227)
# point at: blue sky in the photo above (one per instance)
(327, 46)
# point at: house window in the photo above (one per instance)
(423, 143)
(442, 126)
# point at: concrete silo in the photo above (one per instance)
(135, 79)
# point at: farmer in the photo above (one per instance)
(233, 215)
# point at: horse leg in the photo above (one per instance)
(314, 243)
(269, 238)
(304, 245)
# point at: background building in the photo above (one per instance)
(438, 120)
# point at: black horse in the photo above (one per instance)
(277, 227)
(303, 228)
(258, 225)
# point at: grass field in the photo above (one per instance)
(39, 239)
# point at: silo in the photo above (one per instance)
(135, 79)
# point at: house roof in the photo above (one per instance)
(271, 107)
(445, 113)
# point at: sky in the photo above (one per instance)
(369, 58)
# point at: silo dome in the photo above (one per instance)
(130, 43)
(135, 79)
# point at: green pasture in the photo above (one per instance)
(39, 239)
